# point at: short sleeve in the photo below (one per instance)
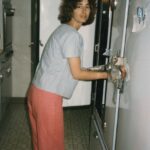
(73, 45)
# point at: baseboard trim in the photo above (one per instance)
(77, 107)
(18, 100)
(24, 100)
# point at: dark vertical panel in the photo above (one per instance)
(99, 59)
(35, 6)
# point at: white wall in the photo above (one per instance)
(21, 62)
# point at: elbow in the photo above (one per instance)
(75, 77)
(77, 74)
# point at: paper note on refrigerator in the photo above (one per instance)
(138, 26)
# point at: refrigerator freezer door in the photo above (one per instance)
(133, 122)
(113, 93)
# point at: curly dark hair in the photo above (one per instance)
(67, 7)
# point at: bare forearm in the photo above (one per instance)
(90, 75)
(79, 73)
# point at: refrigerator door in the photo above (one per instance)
(134, 121)
(129, 128)
(113, 94)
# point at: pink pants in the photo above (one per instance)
(46, 118)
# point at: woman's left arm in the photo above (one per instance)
(81, 74)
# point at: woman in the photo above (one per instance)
(57, 75)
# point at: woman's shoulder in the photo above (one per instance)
(66, 31)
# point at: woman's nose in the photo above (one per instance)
(84, 9)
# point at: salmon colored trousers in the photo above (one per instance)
(46, 119)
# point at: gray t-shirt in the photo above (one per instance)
(53, 73)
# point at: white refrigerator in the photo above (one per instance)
(127, 114)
